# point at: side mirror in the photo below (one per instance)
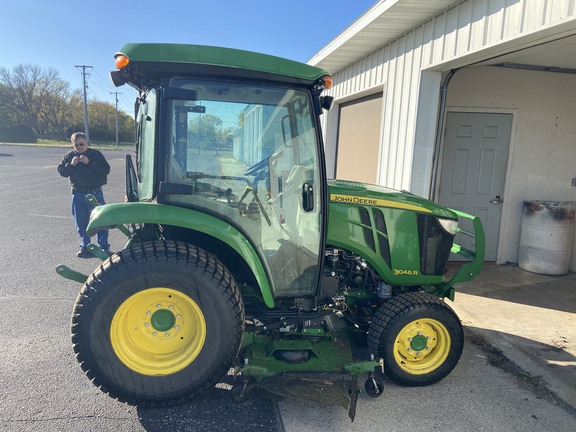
(117, 78)
(326, 102)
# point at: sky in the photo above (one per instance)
(63, 34)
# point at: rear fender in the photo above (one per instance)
(112, 215)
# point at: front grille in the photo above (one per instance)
(435, 245)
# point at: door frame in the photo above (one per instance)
(506, 205)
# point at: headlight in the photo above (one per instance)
(449, 225)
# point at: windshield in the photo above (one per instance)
(250, 154)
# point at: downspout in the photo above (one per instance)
(439, 130)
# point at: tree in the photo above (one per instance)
(17, 134)
(10, 130)
(35, 102)
(125, 127)
(102, 122)
(208, 130)
(61, 109)
(7, 114)
(39, 99)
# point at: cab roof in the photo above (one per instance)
(161, 58)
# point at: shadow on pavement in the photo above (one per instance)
(512, 284)
(216, 411)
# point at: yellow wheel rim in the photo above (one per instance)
(158, 331)
(422, 346)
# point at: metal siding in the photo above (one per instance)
(463, 33)
(465, 28)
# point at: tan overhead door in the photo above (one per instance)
(359, 139)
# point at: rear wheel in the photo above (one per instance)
(419, 337)
(158, 324)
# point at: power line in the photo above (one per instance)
(125, 104)
(97, 80)
(102, 78)
(102, 82)
(128, 105)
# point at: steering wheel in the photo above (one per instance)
(254, 169)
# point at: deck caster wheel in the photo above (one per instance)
(374, 387)
(241, 391)
(239, 394)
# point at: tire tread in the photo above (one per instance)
(395, 309)
(147, 253)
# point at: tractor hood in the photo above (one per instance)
(402, 236)
(362, 194)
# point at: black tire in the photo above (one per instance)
(419, 337)
(158, 324)
(374, 387)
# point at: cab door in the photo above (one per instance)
(250, 154)
(295, 193)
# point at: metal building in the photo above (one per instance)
(471, 103)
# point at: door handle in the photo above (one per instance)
(497, 200)
(307, 197)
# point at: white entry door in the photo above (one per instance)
(474, 169)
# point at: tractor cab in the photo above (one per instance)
(245, 150)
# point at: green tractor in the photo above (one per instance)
(242, 256)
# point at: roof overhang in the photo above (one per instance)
(382, 23)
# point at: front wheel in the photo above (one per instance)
(419, 337)
(158, 324)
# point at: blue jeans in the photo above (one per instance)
(81, 211)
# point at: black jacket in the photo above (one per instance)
(84, 178)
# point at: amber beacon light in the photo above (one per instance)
(121, 61)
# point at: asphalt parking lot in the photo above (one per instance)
(42, 388)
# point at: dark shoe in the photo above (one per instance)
(108, 252)
(83, 253)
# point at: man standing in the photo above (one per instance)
(87, 169)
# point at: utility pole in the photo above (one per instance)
(84, 67)
(116, 95)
